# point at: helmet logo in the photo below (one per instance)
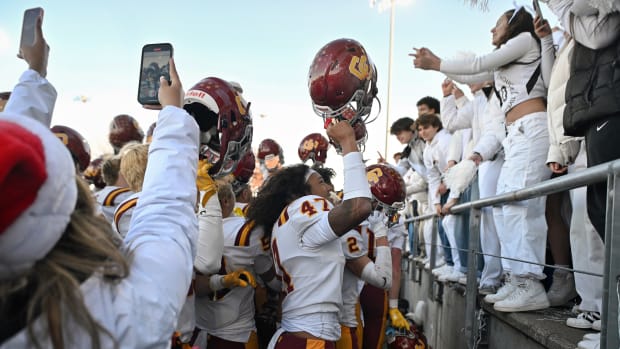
(373, 175)
(310, 144)
(63, 138)
(359, 67)
(242, 110)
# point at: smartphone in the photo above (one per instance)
(536, 5)
(29, 25)
(154, 63)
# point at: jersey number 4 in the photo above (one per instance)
(308, 208)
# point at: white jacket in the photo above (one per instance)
(142, 309)
(436, 161)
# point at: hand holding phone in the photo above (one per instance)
(154, 64)
(33, 47)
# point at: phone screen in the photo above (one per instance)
(155, 63)
(28, 26)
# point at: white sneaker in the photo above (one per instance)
(502, 293)
(463, 281)
(592, 337)
(529, 295)
(454, 276)
(590, 342)
(584, 320)
(562, 289)
(445, 269)
(596, 325)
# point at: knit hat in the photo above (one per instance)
(37, 193)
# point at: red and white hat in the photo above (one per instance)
(37, 193)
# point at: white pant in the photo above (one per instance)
(522, 226)
(428, 235)
(587, 248)
(488, 173)
(449, 226)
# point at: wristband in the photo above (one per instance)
(393, 303)
(355, 181)
(216, 282)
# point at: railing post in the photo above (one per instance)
(471, 320)
(433, 256)
(609, 321)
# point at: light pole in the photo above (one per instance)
(389, 82)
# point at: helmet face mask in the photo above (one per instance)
(225, 123)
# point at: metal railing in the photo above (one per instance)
(611, 277)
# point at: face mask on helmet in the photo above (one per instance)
(77, 145)
(225, 123)
(270, 155)
(313, 147)
(387, 188)
(343, 82)
(245, 168)
(124, 129)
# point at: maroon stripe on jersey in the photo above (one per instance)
(122, 209)
(243, 235)
(283, 217)
(109, 199)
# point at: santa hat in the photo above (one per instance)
(37, 193)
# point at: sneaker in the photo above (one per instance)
(590, 343)
(502, 293)
(529, 294)
(596, 325)
(487, 290)
(444, 269)
(592, 337)
(562, 289)
(463, 280)
(454, 276)
(583, 320)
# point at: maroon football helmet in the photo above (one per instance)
(149, 132)
(404, 339)
(77, 145)
(268, 149)
(245, 168)
(92, 174)
(225, 123)
(313, 147)
(124, 129)
(387, 187)
(343, 79)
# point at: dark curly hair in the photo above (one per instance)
(282, 188)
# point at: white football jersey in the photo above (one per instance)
(229, 313)
(353, 248)
(309, 259)
(122, 214)
(109, 198)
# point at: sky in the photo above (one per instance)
(267, 46)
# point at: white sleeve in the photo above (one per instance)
(455, 149)
(510, 52)
(353, 245)
(210, 237)
(493, 130)
(34, 97)
(379, 273)
(448, 112)
(318, 234)
(416, 184)
(434, 177)
(547, 58)
(164, 227)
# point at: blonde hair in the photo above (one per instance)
(52, 286)
(133, 164)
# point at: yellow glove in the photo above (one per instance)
(398, 320)
(204, 181)
(238, 278)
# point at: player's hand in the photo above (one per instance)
(398, 320)
(342, 133)
(36, 55)
(171, 93)
(239, 278)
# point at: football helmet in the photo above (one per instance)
(225, 123)
(313, 147)
(270, 154)
(77, 145)
(245, 168)
(92, 174)
(405, 339)
(149, 132)
(387, 187)
(343, 80)
(124, 129)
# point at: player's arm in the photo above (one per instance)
(356, 205)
